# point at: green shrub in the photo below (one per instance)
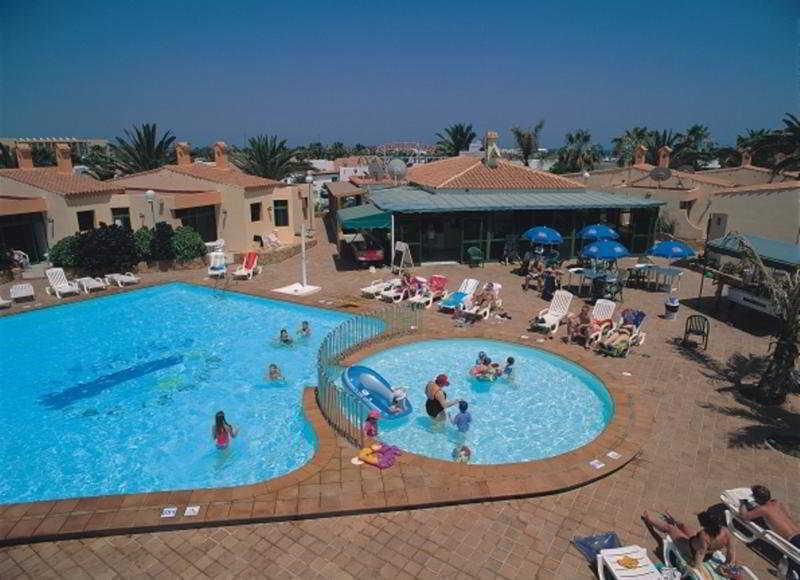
(64, 252)
(161, 244)
(107, 249)
(187, 244)
(143, 238)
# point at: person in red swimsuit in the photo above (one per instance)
(222, 431)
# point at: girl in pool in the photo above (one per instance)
(305, 329)
(274, 373)
(284, 337)
(221, 431)
(370, 427)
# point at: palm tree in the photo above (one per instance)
(7, 160)
(732, 156)
(625, 145)
(785, 142)
(778, 378)
(268, 157)
(456, 139)
(101, 165)
(577, 154)
(141, 150)
(528, 140)
(42, 155)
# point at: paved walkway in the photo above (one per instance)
(703, 441)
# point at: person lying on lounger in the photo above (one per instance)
(703, 542)
(775, 515)
(622, 334)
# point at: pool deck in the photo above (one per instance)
(682, 434)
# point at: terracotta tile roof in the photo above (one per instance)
(646, 168)
(51, 179)
(231, 176)
(352, 161)
(760, 187)
(343, 189)
(466, 172)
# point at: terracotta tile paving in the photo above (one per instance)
(699, 441)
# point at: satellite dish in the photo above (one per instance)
(660, 174)
(397, 169)
(376, 169)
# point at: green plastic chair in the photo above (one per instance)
(475, 256)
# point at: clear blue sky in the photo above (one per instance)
(372, 71)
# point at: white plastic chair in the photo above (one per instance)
(435, 290)
(248, 266)
(59, 284)
(603, 310)
(21, 291)
(216, 266)
(377, 286)
(484, 311)
(88, 284)
(128, 278)
(5, 303)
(551, 317)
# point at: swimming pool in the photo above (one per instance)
(550, 407)
(117, 394)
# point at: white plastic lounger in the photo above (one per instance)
(752, 531)
(484, 311)
(216, 265)
(59, 284)
(603, 310)
(435, 290)
(674, 556)
(125, 279)
(610, 561)
(5, 303)
(377, 286)
(88, 284)
(400, 292)
(21, 291)
(551, 317)
(457, 299)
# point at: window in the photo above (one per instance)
(201, 219)
(255, 212)
(281, 209)
(686, 204)
(85, 220)
(121, 216)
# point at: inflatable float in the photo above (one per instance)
(376, 392)
(380, 455)
(486, 375)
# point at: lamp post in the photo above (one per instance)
(150, 197)
(309, 181)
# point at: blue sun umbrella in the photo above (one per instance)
(543, 235)
(605, 250)
(672, 249)
(598, 232)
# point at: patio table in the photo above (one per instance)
(668, 277)
(592, 274)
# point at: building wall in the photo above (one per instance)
(777, 216)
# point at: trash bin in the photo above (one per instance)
(671, 306)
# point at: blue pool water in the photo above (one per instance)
(550, 407)
(118, 394)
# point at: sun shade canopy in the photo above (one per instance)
(363, 217)
(775, 254)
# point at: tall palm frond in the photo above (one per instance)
(141, 150)
(782, 146)
(456, 139)
(528, 140)
(266, 156)
(7, 159)
(625, 145)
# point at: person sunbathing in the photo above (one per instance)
(623, 334)
(775, 514)
(702, 543)
(485, 298)
(534, 273)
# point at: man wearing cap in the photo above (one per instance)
(437, 399)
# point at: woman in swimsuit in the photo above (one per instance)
(222, 431)
(712, 536)
(437, 399)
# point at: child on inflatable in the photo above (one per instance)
(484, 370)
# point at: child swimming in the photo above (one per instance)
(274, 373)
(305, 329)
(462, 419)
(284, 337)
(481, 360)
(222, 431)
(370, 427)
(509, 368)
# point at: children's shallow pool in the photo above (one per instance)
(549, 407)
(117, 394)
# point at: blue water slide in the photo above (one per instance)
(376, 391)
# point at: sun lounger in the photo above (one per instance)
(612, 561)
(122, 279)
(675, 554)
(216, 265)
(483, 311)
(750, 531)
(5, 303)
(215, 246)
(401, 291)
(21, 291)
(603, 310)
(435, 290)
(457, 299)
(636, 338)
(59, 284)
(87, 284)
(377, 286)
(272, 240)
(248, 266)
(551, 317)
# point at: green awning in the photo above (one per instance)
(363, 217)
(773, 253)
(409, 199)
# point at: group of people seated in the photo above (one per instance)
(582, 325)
